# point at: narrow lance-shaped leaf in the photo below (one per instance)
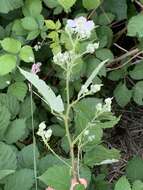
(55, 102)
(92, 76)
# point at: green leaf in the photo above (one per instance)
(8, 159)
(26, 54)
(138, 93)
(91, 4)
(101, 155)
(116, 75)
(4, 173)
(32, 8)
(23, 179)
(33, 34)
(50, 24)
(104, 53)
(106, 18)
(134, 170)
(18, 89)
(15, 131)
(122, 184)
(84, 112)
(4, 81)
(4, 119)
(29, 23)
(137, 72)
(58, 174)
(51, 3)
(66, 4)
(137, 185)
(9, 5)
(11, 103)
(122, 94)
(55, 102)
(7, 63)
(135, 26)
(118, 8)
(25, 156)
(26, 105)
(11, 45)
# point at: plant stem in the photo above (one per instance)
(66, 121)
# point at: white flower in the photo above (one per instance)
(92, 47)
(95, 88)
(84, 89)
(99, 107)
(44, 133)
(48, 134)
(80, 26)
(36, 47)
(107, 106)
(86, 132)
(63, 58)
(8, 82)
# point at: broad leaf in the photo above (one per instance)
(101, 155)
(26, 54)
(23, 179)
(4, 173)
(55, 102)
(11, 45)
(122, 184)
(9, 5)
(7, 63)
(29, 23)
(122, 94)
(135, 26)
(138, 93)
(66, 4)
(8, 159)
(15, 131)
(18, 89)
(137, 72)
(58, 177)
(91, 4)
(137, 185)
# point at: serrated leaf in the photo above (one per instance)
(91, 4)
(138, 93)
(4, 81)
(4, 173)
(106, 18)
(58, 174)
(23, 178)
(137, 185)
(32, 8)
(11, 45)
(15, 131)
(11, 103)
(122, 184)
(104, 53)
(26, 54)
(29, 23)
(137, 72)
(25, 156)
(66, 4)
(8, 159)
(7, 63)
(55, 102)
(4, 119)
(99, 154)
(122, 94)
(18, 89)
(135, 26)
(134, 169)
(9, 5)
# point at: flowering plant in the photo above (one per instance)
(83, 116)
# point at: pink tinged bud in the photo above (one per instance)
(50, 188)
(74, 182)
(36, 68)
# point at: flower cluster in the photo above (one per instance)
(92, 47)
(36, 68)
(63, 58)
(106, 107)
(38, 46)
(44, 133)
(80, 26)
(93, 89)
